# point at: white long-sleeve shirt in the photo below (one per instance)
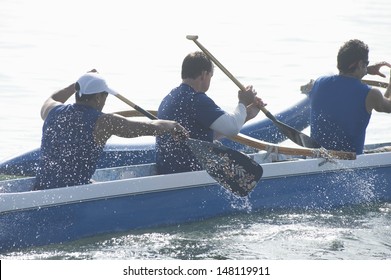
(230, 124)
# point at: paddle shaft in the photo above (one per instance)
(229, 74)
(296, 136)
(136, 107)
(375, 83)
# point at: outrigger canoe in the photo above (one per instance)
(142, 151)
(132, 196)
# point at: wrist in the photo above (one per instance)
(245, 104)
(242, 104)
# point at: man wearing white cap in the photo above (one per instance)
(73, 136)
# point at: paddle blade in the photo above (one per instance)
(296, 136)
(233, 170)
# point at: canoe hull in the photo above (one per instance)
(60, 215)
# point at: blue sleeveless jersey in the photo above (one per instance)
(196, 112)
(338, 114)
(68, 151)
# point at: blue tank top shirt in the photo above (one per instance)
(338, 113)
(196, 112)
(68, 151)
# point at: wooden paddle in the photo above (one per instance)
(375, 83)
(293, 134)
(232, 169)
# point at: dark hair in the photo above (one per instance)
(194, 63)
(350, 54)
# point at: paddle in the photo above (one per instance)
(375, 83)
(232, 169)
(293, 134)
(266, 146)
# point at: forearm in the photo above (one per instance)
(109, 124)
(64, 94)
(387, 94)
(230, 124)
(57, 98)
(126, 128)
(131, 129)
(375, 69)
(254, 108)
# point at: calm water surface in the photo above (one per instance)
(139, 46)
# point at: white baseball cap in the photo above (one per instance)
(92, 83)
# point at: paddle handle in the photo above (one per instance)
(226, 72)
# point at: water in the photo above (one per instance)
(356, 234)
(139, 46)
